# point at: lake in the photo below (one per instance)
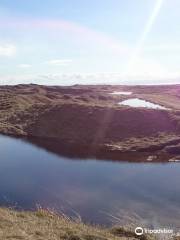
(101, 191)
(136, 102)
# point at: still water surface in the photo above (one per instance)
(100, 191)
(136, 102)
(121, 93)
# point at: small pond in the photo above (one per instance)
(136, 102)
(121, 93)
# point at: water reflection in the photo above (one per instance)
(97, 190)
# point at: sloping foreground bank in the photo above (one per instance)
(44, 225)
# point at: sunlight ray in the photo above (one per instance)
(151, 20)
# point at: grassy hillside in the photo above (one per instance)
(45, 225)
(87, 120)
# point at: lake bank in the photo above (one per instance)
(44, 224)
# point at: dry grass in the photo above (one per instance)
(45, 225)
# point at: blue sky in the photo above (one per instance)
(77, 41)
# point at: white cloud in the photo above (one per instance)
(7, 50)
(59, 62)
(89, 78)
(139, 71)
(23, 65)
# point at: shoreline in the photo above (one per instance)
(45, 224)
(84, 152)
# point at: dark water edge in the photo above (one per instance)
(102, 192)
(85, 151)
